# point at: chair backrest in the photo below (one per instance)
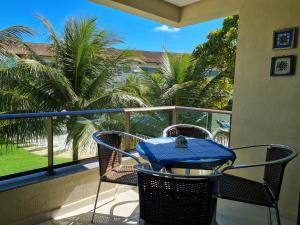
(274, 172)
(173, 201)
(108, 158)
(187, 130)
(221, 136)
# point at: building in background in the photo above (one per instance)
(150, 60)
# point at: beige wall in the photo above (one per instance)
(38, 202)
(267, 109)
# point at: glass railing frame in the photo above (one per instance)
(50, 169)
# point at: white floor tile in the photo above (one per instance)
(125, 211)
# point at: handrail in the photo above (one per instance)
(53, 114)
(204, 110)
(96, 111)
(149, 109)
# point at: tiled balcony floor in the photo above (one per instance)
(124, 210)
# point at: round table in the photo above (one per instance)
(162, 153)
(199, 154)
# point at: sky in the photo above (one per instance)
(136, 32)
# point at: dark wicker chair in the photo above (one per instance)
(266, 193)
(187, 130)
(221, 136)
(112, 146)
(167, 199)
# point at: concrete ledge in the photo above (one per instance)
(34, 178)
(39, 197)
(85, 204)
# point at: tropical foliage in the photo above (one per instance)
(203, 79)
(80, 78)
(82, 73)
(218, 54)
(10, 38)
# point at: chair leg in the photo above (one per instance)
(116, 191)
(95, 206)
(277, 214)
(270, 216)
(187, 171)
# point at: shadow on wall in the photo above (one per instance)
(40, 201)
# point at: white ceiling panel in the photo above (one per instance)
(181, 3)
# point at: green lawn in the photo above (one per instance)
(14, 160)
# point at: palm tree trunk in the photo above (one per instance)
(75, 153)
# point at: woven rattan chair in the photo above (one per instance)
(112, 145)
(266, 193)
(167, 199)
(187, 130)
(221, 136)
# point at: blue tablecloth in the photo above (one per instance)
(162, 152)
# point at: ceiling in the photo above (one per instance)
(176, 13)
(181, 3)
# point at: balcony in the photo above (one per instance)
(63, 191)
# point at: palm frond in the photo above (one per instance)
(115, 99)
(49, 27)
(149, 124)
(11, 38)
(79, 134)
(179, 64)
(22, 131)
(165, 66)
(171, 92)
(44, 88)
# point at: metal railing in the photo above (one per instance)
(127, 127)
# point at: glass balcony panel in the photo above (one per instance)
(23, 145)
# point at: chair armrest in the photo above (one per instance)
(95, 137)
(266, 163)
(248, 147)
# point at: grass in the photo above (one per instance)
(15, 160)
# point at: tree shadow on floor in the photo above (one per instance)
(101, 219)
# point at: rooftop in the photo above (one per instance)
(44, 50)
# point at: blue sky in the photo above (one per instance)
(138, 33)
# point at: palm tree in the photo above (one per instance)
(80, 78)
(178, 83)
(168, 87)
(11, 37)
(173, 85)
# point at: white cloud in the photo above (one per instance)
(165, 28)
